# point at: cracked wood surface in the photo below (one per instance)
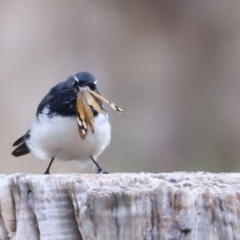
(120, 206)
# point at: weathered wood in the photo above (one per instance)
(120, 206)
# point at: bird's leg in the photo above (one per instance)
(98, 167)
(48, 168)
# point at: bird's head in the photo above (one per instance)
(84, 79)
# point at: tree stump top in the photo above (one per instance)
(120, 206)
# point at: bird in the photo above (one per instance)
(71, 124)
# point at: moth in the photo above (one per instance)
(86, 100)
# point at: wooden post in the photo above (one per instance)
(168, 206)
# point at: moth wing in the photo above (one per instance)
(89, 116)
(93, 102)
(81, 116)
(100, 97)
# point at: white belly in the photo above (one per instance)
(59, 137)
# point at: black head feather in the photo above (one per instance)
(61, 99)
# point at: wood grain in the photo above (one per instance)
(164, 206)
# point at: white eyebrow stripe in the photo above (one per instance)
(76, 79)
(95, 82)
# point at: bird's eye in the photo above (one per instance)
(92, 86)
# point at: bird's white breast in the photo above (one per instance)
(59, 137)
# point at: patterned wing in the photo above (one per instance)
(93, 102)
(89, 116)
(81, 116)
(85, 115)
(114, 106)
(86, 99)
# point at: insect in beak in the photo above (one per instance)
(86, 100)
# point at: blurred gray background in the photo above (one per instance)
(174, 66)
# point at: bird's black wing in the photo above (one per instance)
(60, 100)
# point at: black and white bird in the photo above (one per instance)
(71, 124)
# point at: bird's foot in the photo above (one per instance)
(100, 171)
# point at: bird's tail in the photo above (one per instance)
(22, 147)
